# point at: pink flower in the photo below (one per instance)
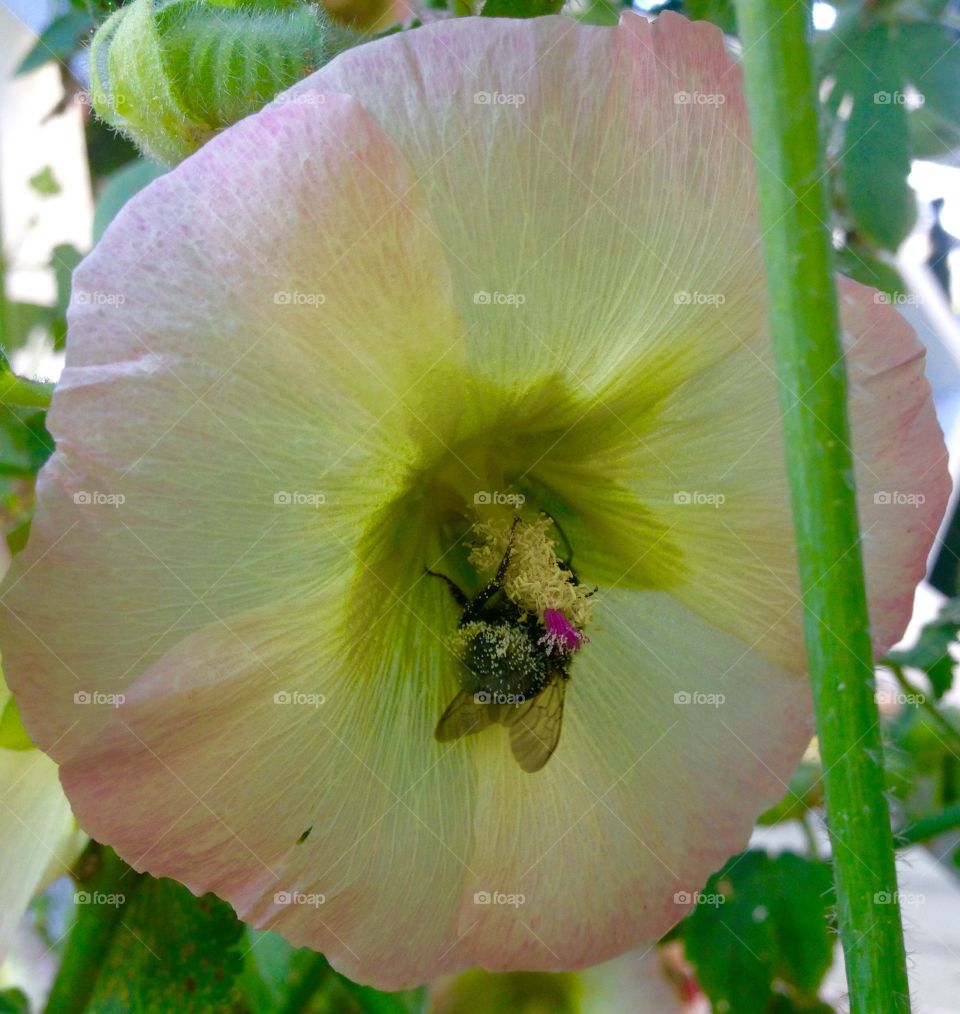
(479, 260)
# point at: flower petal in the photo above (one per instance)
(710, 472)
(616, 162)
(38, 837)
(675, 736)
(903, 484)
(220, 444)
(205, 774)
(293, 770)
(634, 296)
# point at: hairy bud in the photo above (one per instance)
(172, 73)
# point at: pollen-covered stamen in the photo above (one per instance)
(561, 634)
(535, 579)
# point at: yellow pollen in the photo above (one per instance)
(534, 578)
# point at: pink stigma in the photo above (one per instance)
(561, 631)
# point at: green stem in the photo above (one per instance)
(813, 849)
(783, 105)
(930, 827)
(104, 884)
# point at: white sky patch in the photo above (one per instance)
(824, 16)
(931, 180)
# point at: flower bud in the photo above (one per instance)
(172, 74)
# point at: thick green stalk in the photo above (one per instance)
(105, 884)
(803, 315)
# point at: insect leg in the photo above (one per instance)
(485, 594)
(565, 564)
(459, 597)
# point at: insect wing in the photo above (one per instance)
(464, 716)
(535, 726)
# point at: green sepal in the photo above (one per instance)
(172, 73)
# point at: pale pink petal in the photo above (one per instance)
(254, 732)
(37, 833)
(575, 191)
(675, 736)
(632, 308)
(220, 444)
(900, 459)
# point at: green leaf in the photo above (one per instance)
(45, 183)
(600, 12)
(12, 1001)
(930, 57)
(875, 149)
(57, 41)
(864, 267)
(520, 8)
(805, 793)
(761, 928)
(64, 258)
(13, 736)
(719, 12)
(931, 653)
(119, 188)
(25, 443)
(172, 952)
(933, 138)
(281, 979)
(20, 320)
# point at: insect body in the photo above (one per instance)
(514, 669)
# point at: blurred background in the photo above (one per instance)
(889, 76)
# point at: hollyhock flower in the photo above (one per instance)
(479, 271)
